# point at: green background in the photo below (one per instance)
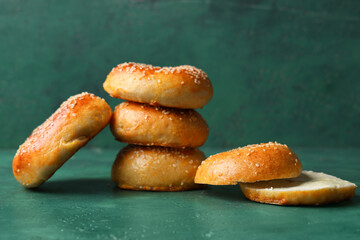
(281, 70)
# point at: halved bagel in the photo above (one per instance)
(310, 188)
(252, 163)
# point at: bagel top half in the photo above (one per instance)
(178, 87)
(50, 145)
(259, 162)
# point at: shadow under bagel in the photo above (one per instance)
(83, 186)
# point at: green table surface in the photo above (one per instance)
(80, 202)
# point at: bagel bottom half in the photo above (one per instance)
(156, 168)
(310, 188)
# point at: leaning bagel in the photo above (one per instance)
(259, 162)
(178, 87)
(144, 124)
(156, 168)
(51, 144)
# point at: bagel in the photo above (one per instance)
(142, 124)
(156, 168)
(51, 144)
(259, 162)
(310, 188)
(178, 87)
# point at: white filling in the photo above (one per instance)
(308, 180)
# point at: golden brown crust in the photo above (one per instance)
(296, 194)
(178, 87)
(143, 124)
(156, 168)
(51, 144)
(252, 163)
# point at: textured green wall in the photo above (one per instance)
(281, 70)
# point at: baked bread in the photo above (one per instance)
(51, 144)
(178, 87)
(310, 188)
(156, 168)
(252, 163)
(144, 124)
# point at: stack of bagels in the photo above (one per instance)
(160, 124)
(163, 130)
